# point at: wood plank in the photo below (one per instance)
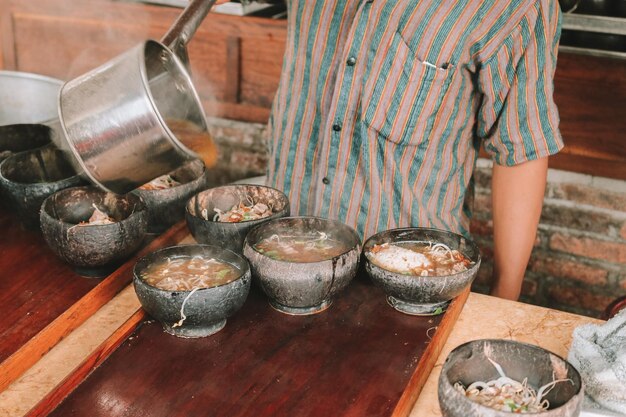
(591, 95)
(360, 357)
(429, 358)
(35, 285)
(48, 403)
(76, 314)
(233, 70)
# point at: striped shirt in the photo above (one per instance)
(383, 105)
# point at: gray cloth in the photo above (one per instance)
(599, 354)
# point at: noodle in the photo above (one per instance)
(189, 273)
(301, 248)
(419, 258)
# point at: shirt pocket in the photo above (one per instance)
(402, 94)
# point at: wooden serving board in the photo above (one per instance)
(358, 358)
(42, 299)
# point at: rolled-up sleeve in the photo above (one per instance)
(518, 119)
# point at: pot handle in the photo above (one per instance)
(183, 29)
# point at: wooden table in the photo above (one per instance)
(86, 346)
(42, 299)
(360, 356)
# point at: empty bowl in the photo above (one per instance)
(196, 301)
(74, 225)
(487, 364)
(27, 178)
(202, 218)
(301, 263)
(391, 258)
(166, 196)
(22, 137)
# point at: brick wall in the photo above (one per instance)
(579, 260)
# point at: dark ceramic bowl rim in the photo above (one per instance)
(513, 342)
(270, 217)
(278, 220)
(15, 154)
(142, 208)
(138, 277)
(140, 190)
(430, 229)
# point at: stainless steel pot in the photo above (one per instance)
(138, 116)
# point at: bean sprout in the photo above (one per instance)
(241, 212)
(506, 394)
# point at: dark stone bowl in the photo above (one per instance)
(418, 295)
(206, 310)
(93, 250)
(167, 207)
(23, 137)
(468, 363)
(224, 234)
(303, 287)
(28, 178)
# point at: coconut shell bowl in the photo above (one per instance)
(301, 263)
(166, 196)
(22, 137)
(209, 222)
(390, 261)
(475, 371)
(192, 304)
(93, 230)
(27, 178)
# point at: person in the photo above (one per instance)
(382, 107)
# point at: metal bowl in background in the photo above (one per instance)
(28, 178)
(167, 206)
(469, 363)
(205, 310)
(93, 250)
(27, 98)
(303, 287)
(230, 235)
(422, 295)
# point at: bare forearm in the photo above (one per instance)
(517, 198)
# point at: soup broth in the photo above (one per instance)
(419, 258)
(188, 273)
(315, 247)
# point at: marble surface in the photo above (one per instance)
(485, 317)
(482, 317)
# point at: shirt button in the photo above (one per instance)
(337, 127)
(325, 180)
(351, 61)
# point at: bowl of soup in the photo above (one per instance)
(420, 269)
(93, 230)
(224, 215)
(499, 378)
(302, 263)
(192, 289)
(167, 195)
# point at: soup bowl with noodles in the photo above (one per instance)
(93, 230)
(301, 263)
(192, 289)
(421, 269)
(498, 378)
(224, 215)
(167, 195)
